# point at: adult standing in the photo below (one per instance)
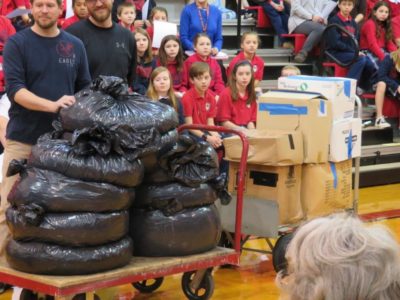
(199, 17)
(111, 49)
(43, 68)
(309, 17)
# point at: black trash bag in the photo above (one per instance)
(59, 155)
(55, 192)
(156, 175)
(31, 214)
(220, 185)
(168, 140)
(193, 230)
(69, 229)
(173, 197)
(102, 104)
(191, 162)
(50, 259)
(130, 144)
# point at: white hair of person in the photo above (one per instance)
(339, 258)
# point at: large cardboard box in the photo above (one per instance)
(326, 188)
(280, 184)
(345, 140)
(267, 147)
(340, 91)
(308, 113)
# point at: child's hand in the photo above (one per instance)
(215, 141)
(147, 22)
(138, 23)
(318, 19)
(214, 133)
(214, 51)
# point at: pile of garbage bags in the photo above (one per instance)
(113, 174)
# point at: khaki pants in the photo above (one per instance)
(13, 150)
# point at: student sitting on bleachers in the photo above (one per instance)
(202, 46)
(339, 44)
(199, 105)
(249, 43)
(126, 15)
(80, 13)
(278, 12)
(170, 55)
(237, 107)
(376, 34)
(308, 17)
(387, 84)
(290, 70)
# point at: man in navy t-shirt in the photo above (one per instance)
(44, 67)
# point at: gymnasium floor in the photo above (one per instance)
(254, 279)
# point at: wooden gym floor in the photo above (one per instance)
(254, 279)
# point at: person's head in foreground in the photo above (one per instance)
(340, 258)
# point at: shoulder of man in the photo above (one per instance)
(76, 28)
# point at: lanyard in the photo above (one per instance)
(204, 26)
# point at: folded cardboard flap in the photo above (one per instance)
(268, 147)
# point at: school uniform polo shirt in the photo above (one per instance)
(238, 112)
(256, 62)
(199, 108)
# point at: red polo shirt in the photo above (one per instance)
(256, 62)
(197, 107)
(238, 112)
(217, 83)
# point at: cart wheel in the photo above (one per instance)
(28, 295)
(4, 287)
(148, 285)
(205, 289)
(278, 253)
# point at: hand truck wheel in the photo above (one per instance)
(148, 285)
(28, 295)
(205, 289)
(279, 251)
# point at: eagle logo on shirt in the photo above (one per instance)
(208, 106)
(65, 49)
(255, 68)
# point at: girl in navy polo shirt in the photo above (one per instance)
(237, 107)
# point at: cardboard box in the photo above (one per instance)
(340, 91)
(307, 113)
(268, 147)
(326, 188)
(345, 140)
(280, 184)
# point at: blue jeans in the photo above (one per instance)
(363, 69)
(279, 20)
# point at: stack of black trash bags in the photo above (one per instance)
(113, 180)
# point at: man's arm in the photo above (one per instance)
(30, 101)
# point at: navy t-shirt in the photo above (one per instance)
(49, 67)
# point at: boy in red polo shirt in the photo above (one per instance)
(199, 105)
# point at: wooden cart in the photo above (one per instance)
(197, 281)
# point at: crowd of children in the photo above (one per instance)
(167, 74)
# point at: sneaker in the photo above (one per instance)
(287, 45)
(300, 57)
(381, 123)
